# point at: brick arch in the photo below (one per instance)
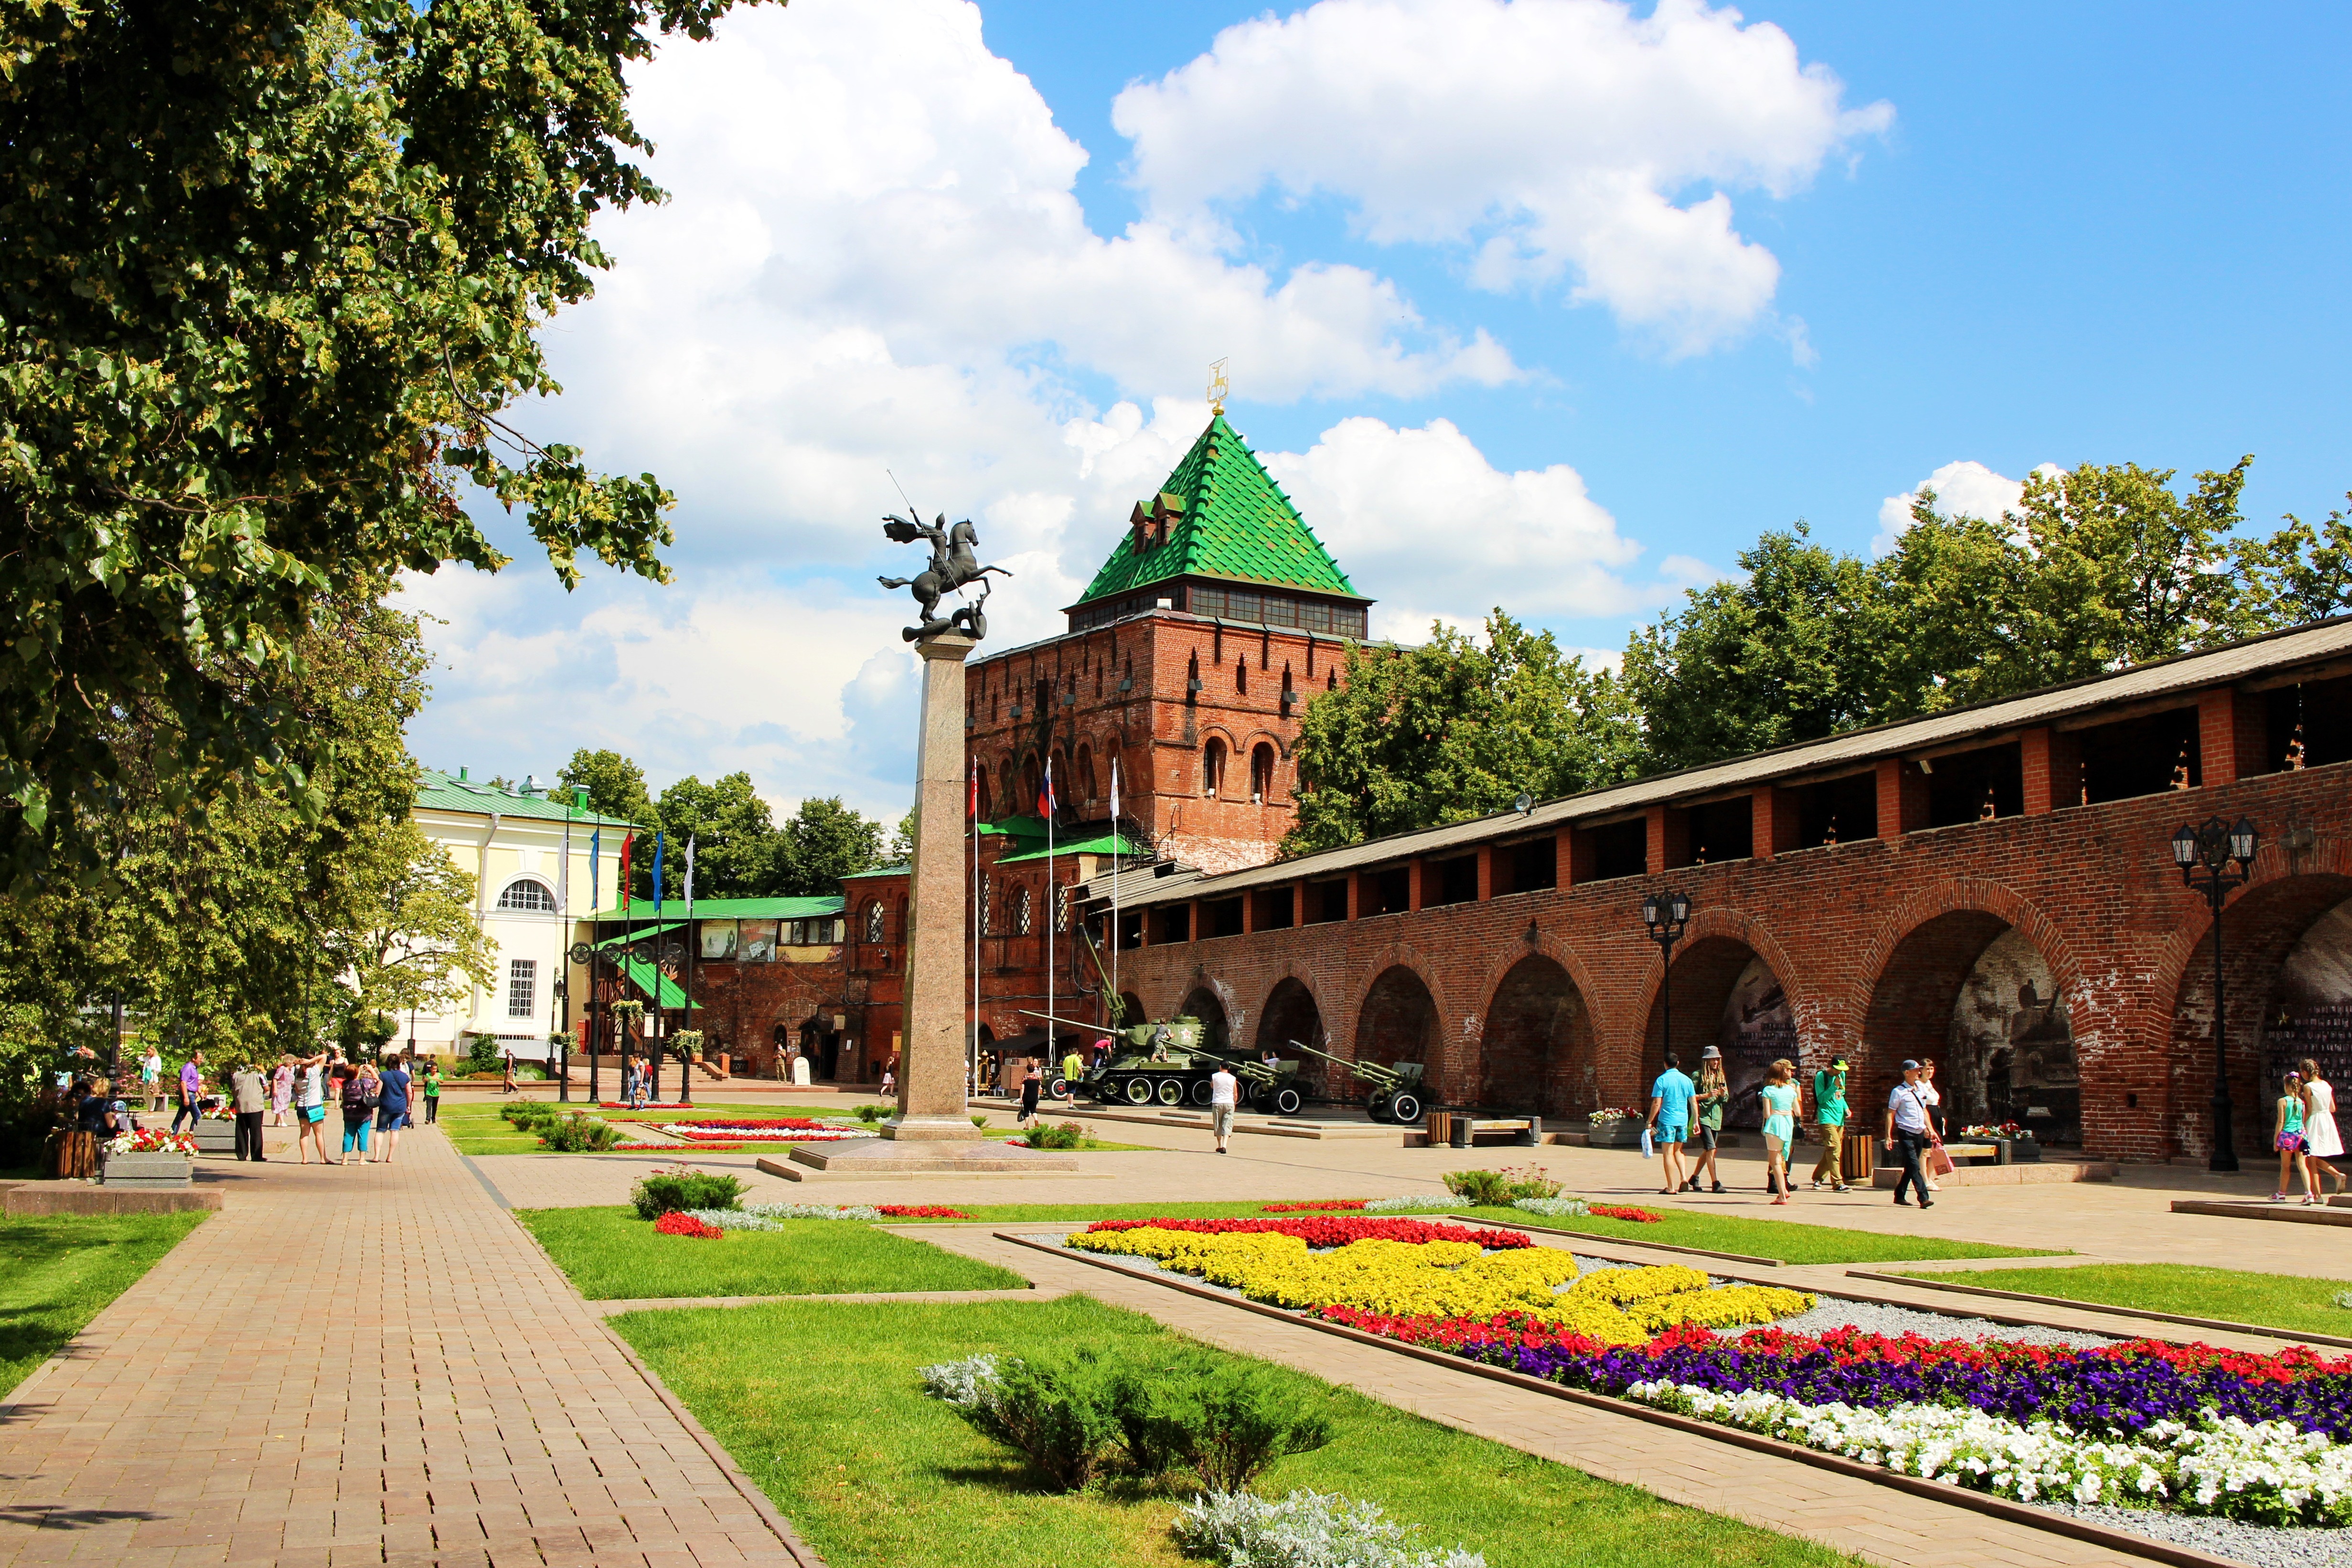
(1716, 947)
(1281, 1018)
(2261, 924)
(1552, 946)
(1441, 1051)
(1211, 1001)
(1536, 1046)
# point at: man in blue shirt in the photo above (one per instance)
(1669, 1124)
(1906, 1128)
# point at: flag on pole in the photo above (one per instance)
(628, 842)
(689, 871)
(972, 796)
(1114, 796)
(1045, 793)
(657, 875)
(595, 849)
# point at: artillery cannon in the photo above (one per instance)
(1397, 1091)
(1164, 1061)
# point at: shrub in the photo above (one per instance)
(1229, 1421)
(665, 1192)
(1068, 1136)
(1305, 1529)
(869, 1114)
(1530, 1181)
(528, 1113)
(1480, 1189)
(980, 1121)
(1056, 1413)
(579, 1133)
(482, 1053)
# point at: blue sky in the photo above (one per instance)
(1481, 314)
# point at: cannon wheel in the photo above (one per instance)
(1201, 1092)
(1377, 1107)
(1057, 1087)
(1171, 1091)
(1404, 1106)
(1287, 1101)
(1138, 1090)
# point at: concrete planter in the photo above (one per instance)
(1624, 1134)
(139, 1171)
(214, 1136)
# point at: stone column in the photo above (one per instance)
(931, 1105)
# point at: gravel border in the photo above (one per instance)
(2264, 1546)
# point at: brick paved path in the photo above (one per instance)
(370, 1365)
(1853, 1515)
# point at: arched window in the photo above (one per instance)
(1012, 796)
(1261, 773)
(1082, 782)
(1241, 675)
(986, 814)
(527, 893)
(1020, 910)
(876, 923)
(1212, 768)
(984, 909)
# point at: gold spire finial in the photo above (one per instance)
(1218, 387)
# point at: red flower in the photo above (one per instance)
(678, 1223)
(1330, 1230)
(1638, 1216)
(919, 1211)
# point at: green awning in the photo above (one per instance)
(656, 987)
(1106, 844)
(626, 937)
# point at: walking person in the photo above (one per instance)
(1714, 1094)
(251, 1096)
(281, 1090)
(1829, 1115)
(359, 1111)
(310, 1109)
(508, 1086)
(192, 1091)
(1669, 1122)
(1033, 1084)
(150, 1078)
(390, 1109)
(94, 1123)
(2286, 1138)
(1073, 1067)
(1934, 1120)
(1906, 1128)
(432, 1091)
(2322, 1141)
(1224, 1094)
(1783, 1100)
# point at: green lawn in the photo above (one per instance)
(480, 1129)
(611, 1255)
(820, 1404)
(56, 1273)
(2287, 1302)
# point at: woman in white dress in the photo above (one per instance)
(2322, 1142)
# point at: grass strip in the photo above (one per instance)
(818, 1403)
(1789, 1241)
(612, 1256)
(59, 1272)
(2291, 1302)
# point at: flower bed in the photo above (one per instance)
(1446, 1272)
(1638, 1216)
(152, 1140)
(1323, 1206)
(2139, 1423)
(678, 1222)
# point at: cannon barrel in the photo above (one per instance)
(1255, 1071)
(1370, 1071)
(1072, 1023)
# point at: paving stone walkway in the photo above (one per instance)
(1853, 1515)
(363, 1365)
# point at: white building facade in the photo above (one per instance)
(538, 859)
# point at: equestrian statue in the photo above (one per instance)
(954, 565)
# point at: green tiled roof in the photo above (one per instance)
(1106, 844)
(439, 792)
(658, 988)
(1229, 521)
(642, 909)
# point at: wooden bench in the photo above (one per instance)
(1445, 1126)
(1974, 1152)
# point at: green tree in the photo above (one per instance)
(615, 786)
(735, 842)
(1456, 728)
(414, 943)
(1792, 650)
(2303, 573)
(902, 849)
(272, 273)
(824, 841)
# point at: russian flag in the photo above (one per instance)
(1045, 792)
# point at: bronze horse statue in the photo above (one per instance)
(954, 565)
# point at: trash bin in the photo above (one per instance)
(1461, 1130)
(1441, 1128)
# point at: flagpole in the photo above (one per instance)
(686, 1069)
(1118, 870)
(657, 1044)
(972, 1035)
(1052, 909)
(562, 963)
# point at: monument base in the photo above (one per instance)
(938, 1129)
(870, 1158)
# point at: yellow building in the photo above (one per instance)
(514, 844)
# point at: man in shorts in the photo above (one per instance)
(1224, 1094)
(1669, 1122)
(1829, 1114)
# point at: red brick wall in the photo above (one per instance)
(1868, 938)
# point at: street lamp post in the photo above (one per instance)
(1667, 915)
(2213, 858)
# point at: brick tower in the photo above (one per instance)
(1189, 658)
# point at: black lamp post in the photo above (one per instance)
(2213, 858)
(1665, 914)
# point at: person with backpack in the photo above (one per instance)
(391, 1111)
(1829, 1115)
(356, 1091)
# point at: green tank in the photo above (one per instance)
(1167, 1061)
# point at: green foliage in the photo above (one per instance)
(735, 842)
(273, 272)
(58, 1272)
(529, 1113)
(1056, 1413)
(581, 1133)
(1068, 1136)
(1498, 1189)
(869, 1114)
(1454, 729)
(482, 1053)
(824, 841)
(663, 1191)
(615, 786)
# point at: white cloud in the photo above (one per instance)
(1551, 137)
(1963, 489)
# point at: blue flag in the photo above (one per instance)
(595, 846)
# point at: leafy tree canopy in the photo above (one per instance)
(615, 786)
(735, 842)
(1456, 728)
(824, 841)
(271, 272)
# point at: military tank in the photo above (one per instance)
(1166, 1062)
